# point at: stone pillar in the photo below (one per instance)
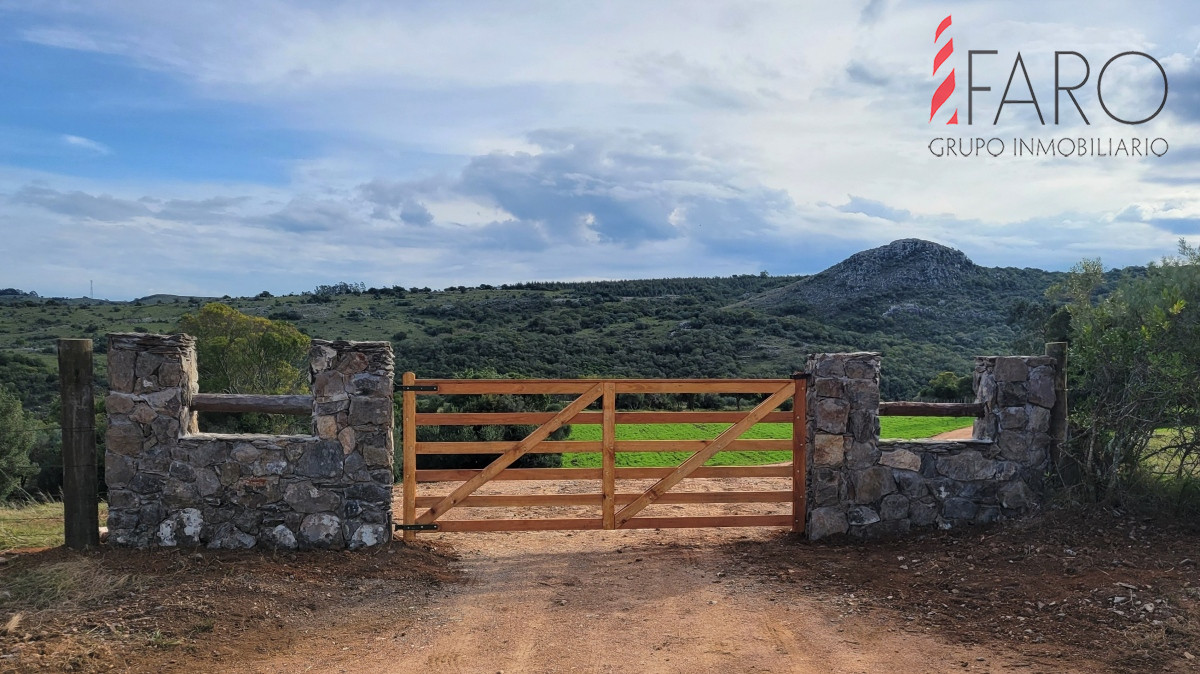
(151, 382)
(1017, 393)
(352, 388)
(843, 436)
(170, 485)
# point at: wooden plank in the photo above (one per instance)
(577, 386)
(909, 409)
(698, 445)
(579, 523)
(577, 446)
(517, 500)
(800, 454)
(671, 497)
(547, 524)
(534, 418)
(608, 456)
(709, 521)
(408, 426)
(548, 447)
(81, 515)
(699, 385)
(506, 459)
(697, 460)
(239, 403)
(460, 474)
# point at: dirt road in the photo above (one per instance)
(644, 601)
(651, 601)
(1099, 591)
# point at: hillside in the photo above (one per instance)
(928, 308)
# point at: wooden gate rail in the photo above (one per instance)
(618, 510)
(595, 418)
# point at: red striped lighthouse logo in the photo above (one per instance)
(947, 86)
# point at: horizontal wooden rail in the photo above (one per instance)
(675, 497)
(461, 474)
(577, 386)
(535, 418)
(578, 523)
(584, 446)
(907, 409)
(245, 403)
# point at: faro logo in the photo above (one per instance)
(1024, 85)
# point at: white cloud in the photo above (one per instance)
(86, 144)
(618, 138)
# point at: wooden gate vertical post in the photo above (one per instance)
(800, 453)
(81, 518)
(608, 455)
(408, 430)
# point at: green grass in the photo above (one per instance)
(890, 427)
(38, 525)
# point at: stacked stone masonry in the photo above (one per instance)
(170, 485)
(868, 488)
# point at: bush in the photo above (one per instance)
(1134, 363)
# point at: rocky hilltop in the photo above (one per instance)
(908, 276)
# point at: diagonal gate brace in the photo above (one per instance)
(699, 458)
(507, 458)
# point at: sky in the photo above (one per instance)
(219, 148)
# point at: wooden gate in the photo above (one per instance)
(617, 510)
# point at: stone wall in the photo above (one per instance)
(171, 485)
(865, 487)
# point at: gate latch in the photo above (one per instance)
(415, 527)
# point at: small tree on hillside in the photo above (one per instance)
(246, 354)
(16, 439)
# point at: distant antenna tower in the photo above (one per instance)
(91, 290)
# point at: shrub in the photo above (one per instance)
(1134, 362)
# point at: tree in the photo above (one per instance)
(246, 354)
(1134, 365)
(948, 386)
(238, 353)
(16, 439)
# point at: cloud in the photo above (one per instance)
(86, 144)
(309, 215)
(874, 209)
(872, 12)
(611, 139)
(620, 188)
(77, 204)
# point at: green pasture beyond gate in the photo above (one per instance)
(890, 427)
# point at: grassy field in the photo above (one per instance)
(34, 526)
(890, 427)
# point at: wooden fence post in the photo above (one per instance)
(81, 517)
(1067, 468)
(800, 453)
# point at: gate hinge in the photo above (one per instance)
(414, 387)
(415, 527)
